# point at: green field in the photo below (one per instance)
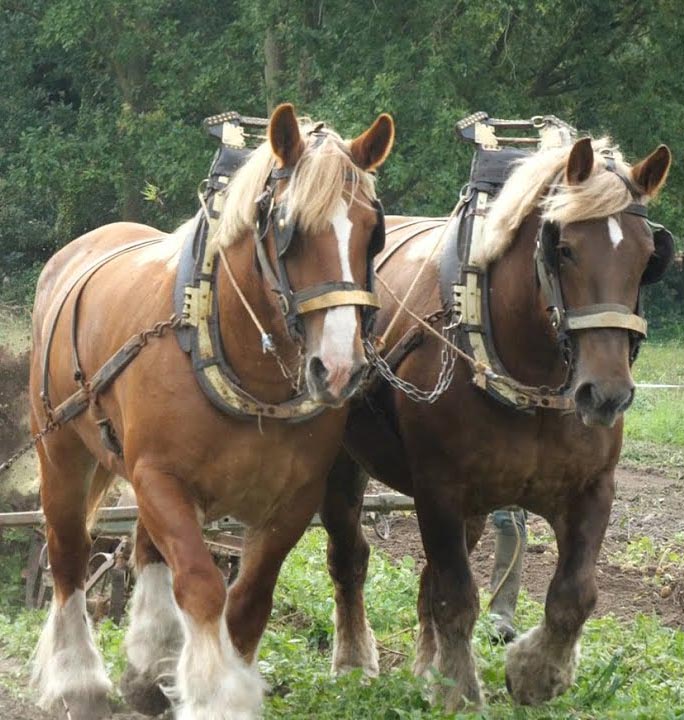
(654, 425)
(628, 670)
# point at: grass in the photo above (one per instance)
(654, 425)
(628, 670)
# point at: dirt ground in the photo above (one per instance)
(646, 505)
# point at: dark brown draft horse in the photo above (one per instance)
(187, 462)
(467, 454)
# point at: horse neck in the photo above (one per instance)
(258, 371)
(523, 336)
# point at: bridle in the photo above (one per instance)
(295, 304)
(603, 315)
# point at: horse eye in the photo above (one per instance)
(565, 252)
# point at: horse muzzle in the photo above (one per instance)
(602, 403)
(333, 385)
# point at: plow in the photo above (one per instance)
(110, 579)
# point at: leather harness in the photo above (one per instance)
(464, 291)
(196, 318)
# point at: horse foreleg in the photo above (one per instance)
(155, 636)
(541, 663)
(354, 644)
(449, 593)
(426, 645)
(250, 598)
(213, 682)
(68, 672)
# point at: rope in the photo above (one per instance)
(266, 339)
(243, 299)
(477, 366)
(514, 559)
(414, 282)
(267, 345)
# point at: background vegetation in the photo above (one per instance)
(101, 103)
(628, 669)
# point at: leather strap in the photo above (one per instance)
(335, 298)
(605, 316)
(435, 223)
(86, 273)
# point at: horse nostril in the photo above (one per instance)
(357, 375)
(318, 371)
(586, 395)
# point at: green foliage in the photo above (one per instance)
(628, 670)
(20, 632)
(657, 415)
(101, 103)
(14, 545)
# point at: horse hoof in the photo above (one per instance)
(142, 693)
(80, 708)
(539, 667)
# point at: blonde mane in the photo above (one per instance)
(318, 183)
(602, 194)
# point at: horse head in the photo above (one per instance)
(327, 226)
(602, 256)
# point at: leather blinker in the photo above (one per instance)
(283, 230)
(662, 255)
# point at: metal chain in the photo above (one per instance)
(295, 381)
(159, 328)
(27, 446)
(444, 380)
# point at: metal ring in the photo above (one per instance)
(44, 560)
(284, 304)
(538, 122)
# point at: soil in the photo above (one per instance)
(14, 375)
(646, 505)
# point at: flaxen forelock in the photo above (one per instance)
(601, 195)
(319, 181)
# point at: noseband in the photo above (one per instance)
(602, 315)
(296, 304)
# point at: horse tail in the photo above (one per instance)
(100, 484)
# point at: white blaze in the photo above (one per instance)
(615, 231)
(339, 326)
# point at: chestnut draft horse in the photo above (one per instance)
(187, 462)
(468, 454)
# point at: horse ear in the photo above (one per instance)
(651, 173)
(370, 149)
(580, 162)
(284, 136)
